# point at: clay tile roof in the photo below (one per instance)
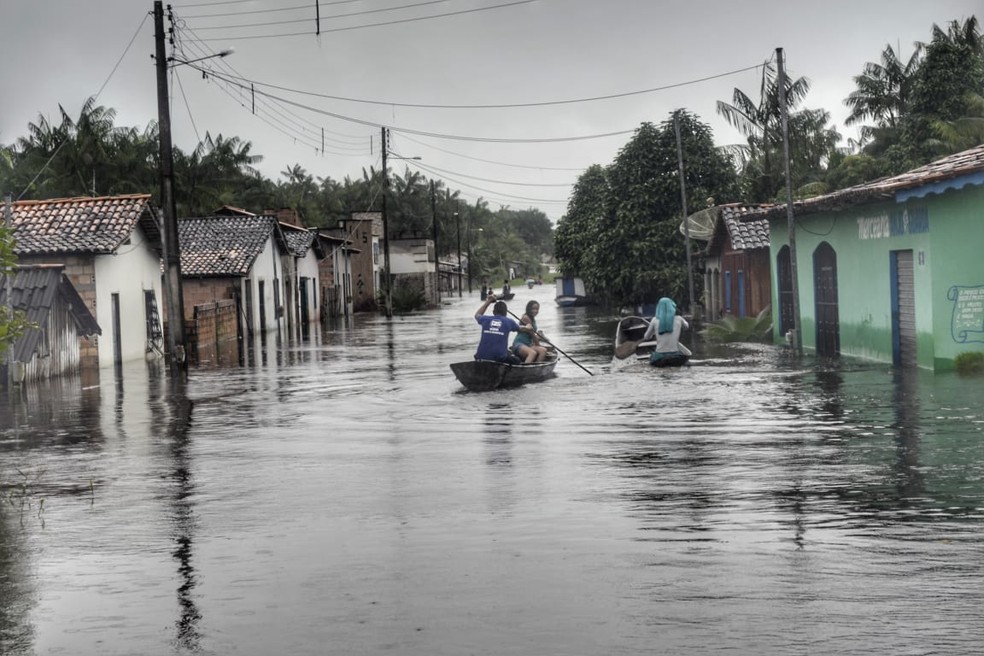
(299, 240)
(739, 221)
(937, 174)
(33, 290)
(222, 245)
(81, 225)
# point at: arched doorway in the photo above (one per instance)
(784, 274)
(825, 295)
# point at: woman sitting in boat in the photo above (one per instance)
(494, 344)
(526, 346)
(666, 326)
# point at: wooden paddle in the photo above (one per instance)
(625, 349)
(556, 348)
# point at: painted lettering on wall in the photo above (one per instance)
(967, 322)
(910, 221)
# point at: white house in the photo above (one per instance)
(111, 249)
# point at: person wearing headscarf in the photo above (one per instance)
(666, 327)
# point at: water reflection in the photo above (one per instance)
(171, 409)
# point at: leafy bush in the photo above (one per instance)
(741, 329)
(970, 363)
(407, 298)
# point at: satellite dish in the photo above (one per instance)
(701, 224)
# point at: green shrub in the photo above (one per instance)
(407, 298)
(970, 363)
(744, 329)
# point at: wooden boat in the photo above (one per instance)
(505, 297)
(628, 338)
(570, 291)
(485, 375)
(629, 344)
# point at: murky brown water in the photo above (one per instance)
(345, 496)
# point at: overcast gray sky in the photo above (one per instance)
(451, 52)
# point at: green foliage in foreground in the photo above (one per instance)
(741, 329)
(11, 327)
(969, 364)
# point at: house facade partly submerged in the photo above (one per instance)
(889, 270)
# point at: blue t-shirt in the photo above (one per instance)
(495, 337)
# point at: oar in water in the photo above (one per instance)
(625, 349)
(557, 348)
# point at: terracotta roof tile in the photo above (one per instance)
(947, 168)
(746, 231)
(81, 225)
(222, 245)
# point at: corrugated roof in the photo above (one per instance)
(222, 245)
(951, 168)
(33, 291)
(82, 225)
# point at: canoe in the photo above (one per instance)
(629, 344)
(505, 297)
(628, 338)
(485, 375)
(672, 360)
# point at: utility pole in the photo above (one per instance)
(683, 200)
(388, 283)
(8, 222)
(457, 220)
(172, 250)
(437, 257)
(468, 238)
(790, 219)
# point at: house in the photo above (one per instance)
(412, 262)
(364, 230)
(234, 258)
(111, 251)
(737, 280)
(335, 275)
(301, 277)
(58, 317)
(888, 270)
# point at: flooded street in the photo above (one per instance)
(347, 496)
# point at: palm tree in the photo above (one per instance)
(883, 94)
(760, 121)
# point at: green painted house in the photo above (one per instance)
(891, 270)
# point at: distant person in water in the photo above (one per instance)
(494, 344)
(526, 346)
(666, 327)
(506, 288)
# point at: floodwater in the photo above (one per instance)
(345, 496)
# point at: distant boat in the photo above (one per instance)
(570, 291)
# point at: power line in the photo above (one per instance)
(323, 18)
(489, 161)
(94, 98)
(360, 27)
(264, 11)
(545, 103)
(435, 135)
(518, 184)
(426, 168)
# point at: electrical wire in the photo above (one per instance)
(264, 11)
(423, 167)
(323, 18)
(489, 161)
(518, 184)
(187, 107)
(361, 27)
(94, 98)
(545, 103)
